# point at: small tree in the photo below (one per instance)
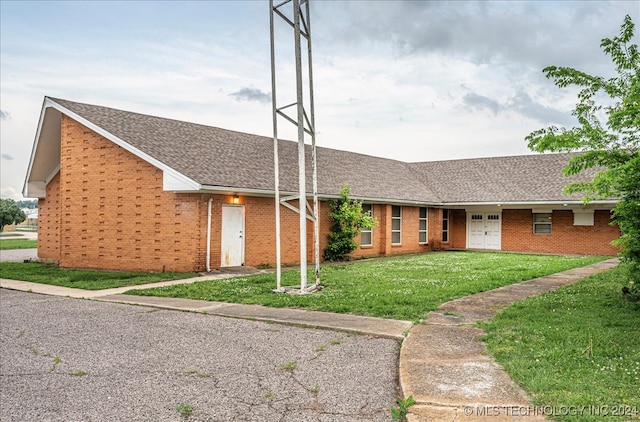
(348, 220)
(10, 213)
(612, 146)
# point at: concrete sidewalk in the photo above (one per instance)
(380, 327)
(444, 365)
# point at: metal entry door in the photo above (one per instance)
(232, 236)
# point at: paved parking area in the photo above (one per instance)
(67, 359)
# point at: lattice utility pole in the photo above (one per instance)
(295, 13)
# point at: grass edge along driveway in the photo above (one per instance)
(575, 350)
(37, 272)
(403, 288)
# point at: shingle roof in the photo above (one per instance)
(218, 157)
(525, 178)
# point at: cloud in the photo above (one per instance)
(480, 102)
(4, 115)
(526, 106)
(7, 157)
(251, 94)
(520, 103)
(535, 34)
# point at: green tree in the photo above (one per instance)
(10, 213)
(608, 137)
(348, 220)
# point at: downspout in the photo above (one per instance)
(209, 236)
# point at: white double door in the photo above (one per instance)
(484, 230)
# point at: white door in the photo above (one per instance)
(232, 236)
(492, 231)
(476, 231)
(484, 231)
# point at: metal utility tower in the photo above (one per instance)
(305, 124)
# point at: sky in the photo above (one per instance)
(405, 80)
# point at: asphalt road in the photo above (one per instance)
(65, 359)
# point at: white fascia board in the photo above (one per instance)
(174, 181)
(531, 204)
(230, 190)
(35, 189)
(171, 179)
(52, 175)
(26, 192)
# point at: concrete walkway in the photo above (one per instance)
(444, 365)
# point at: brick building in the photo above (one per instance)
(124, 191)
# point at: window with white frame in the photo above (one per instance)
(366, 235)
(542, 223)
(445, 225)
(422, 225)
(396, 225)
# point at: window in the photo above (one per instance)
(396, 225)
(542, 223)
(445, 225)
(366, 235)
(422, 225)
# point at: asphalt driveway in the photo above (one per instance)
(67, 359)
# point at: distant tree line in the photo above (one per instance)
(31, 204)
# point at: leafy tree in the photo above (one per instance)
(348, 220)
(608, 137)
(10, 213)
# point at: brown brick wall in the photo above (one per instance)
(114, 214)
(565, 238)
(260, 236)
(382, 232)
(457, 229)
(49, 222)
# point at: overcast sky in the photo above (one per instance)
(407, 80)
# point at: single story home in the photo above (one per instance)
(120, 190)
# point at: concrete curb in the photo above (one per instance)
(378, 327)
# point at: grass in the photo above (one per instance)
(6, 244)
(577, 346)
(289, 365)
(81, 279)
(399, 287)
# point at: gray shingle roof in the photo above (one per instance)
(525, 178)
(218, 157)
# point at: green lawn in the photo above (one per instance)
(577, 346)
(18, 244)
(81, 279)
(400, 287)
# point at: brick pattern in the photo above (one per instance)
(517, 234)
(457, 230)
(114, 213)
(49, 222)
(409, 235)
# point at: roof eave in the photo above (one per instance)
(172, 179)
(524, 204)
